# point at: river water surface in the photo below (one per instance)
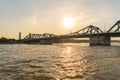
(59, 62)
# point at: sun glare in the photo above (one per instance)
(68, 22)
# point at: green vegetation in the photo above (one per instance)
(4, 40)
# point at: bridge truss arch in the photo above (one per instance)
(115, 28)
(88, 30)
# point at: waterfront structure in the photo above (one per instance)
(95, 34)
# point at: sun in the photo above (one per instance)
(68, 22)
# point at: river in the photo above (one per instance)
(59, 62)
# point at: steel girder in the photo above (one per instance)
(38, 36)
(115, 27)
(88, 30)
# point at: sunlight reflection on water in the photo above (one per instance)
(59, 62)
(68, 50)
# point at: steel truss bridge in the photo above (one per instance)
(87, 32)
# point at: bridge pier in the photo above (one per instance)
(100, 41)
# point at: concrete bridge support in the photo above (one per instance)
(100, 41)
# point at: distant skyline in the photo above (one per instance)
(45, 16)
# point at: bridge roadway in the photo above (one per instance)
(113, 34)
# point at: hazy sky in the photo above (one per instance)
(40, 16)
